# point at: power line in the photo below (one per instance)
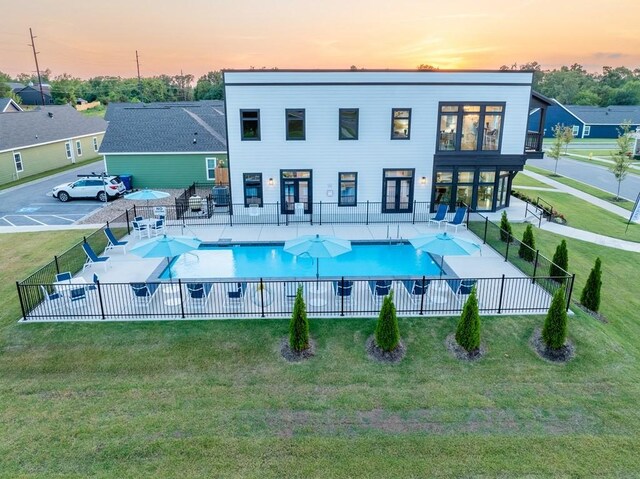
(35, 56)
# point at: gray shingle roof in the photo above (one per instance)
(165, 127)
(32, 127)
(4, 103)
(615, 114)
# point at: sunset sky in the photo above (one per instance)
(89, 38)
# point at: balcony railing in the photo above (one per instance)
(533, 141)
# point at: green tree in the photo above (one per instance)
(622, 157)
(567, 137)
(560, 263)
(5, 89)
(590, 297)
(210, 86)
(65, 89)
(505, 228)
(299, 324)
(556, 147)
(387, 332)
(468, 330)
(528, 245)
(554, 331)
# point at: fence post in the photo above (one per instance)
(181, 297)
(134, 211)
(501, 293)
(342, 297)
(367, 223)
(100, 299)
(422, 297)
(486, 225)
(278, 212)
(506, 253)
(468, 215)
(413, 217)
(24, 314)
(320, 213)
(55, 258)
(535, 267)
(573, 280)
(262, 297)
(126, 214)
(230, 216)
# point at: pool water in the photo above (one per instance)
(270, 261)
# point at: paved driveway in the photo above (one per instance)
(29, 205)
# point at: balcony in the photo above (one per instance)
(537, 112)
(533, 145)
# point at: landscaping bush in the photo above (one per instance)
(590, 297)
(387, 333)
(468, 330)
(299, 324)
(554, 332)
(527, 247)
(560, 265)
(505, 228)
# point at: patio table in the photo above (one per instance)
(63, 287)
(171, 293)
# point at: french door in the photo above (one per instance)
(397, 191)
(296, 189)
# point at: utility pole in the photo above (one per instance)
(139, 80)
(35, 56)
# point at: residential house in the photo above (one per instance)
(390, 138)
(7, 105)
(167, 145)
(588, 121)
(46, 138)
(30, 94)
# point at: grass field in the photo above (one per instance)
(213, 398)
(48, 173)
(523, 180)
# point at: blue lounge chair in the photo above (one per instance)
(235, 294)
(77, 295)
(157, 227)
(198, 293)
(52, 300)
(92, 257)
(343, 289)
(94, 285)
(416, 289)
(140, 229)
(461, 288)
(66, 276)
(458, 219)
(440, 216)
(143, 293)
(112, 242)
(380, 288)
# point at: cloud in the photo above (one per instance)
(609, 55)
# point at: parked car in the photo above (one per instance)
(90, 186)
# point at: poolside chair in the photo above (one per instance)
(198, 293)
(94, 284)
(138, 218)
(66, 276)
(235, 294)
(160, 212)
(416, 289)
(112, 242)
(380, 288)
(157, 227)
(77, 296)
(458, 219)
(143, 293)
(440, 216)
(92, 257)
(291, 291)
(140, 229)
(343, 289)
(461, 288)
(52, 300)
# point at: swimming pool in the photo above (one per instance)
(270, 261)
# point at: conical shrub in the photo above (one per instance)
(387, 332)
(590, 297)
(554, 332)
(299, 324)
(560, 265)
(468, 330)
(505, 228)
(527, 247)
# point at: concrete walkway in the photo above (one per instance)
(40, 229)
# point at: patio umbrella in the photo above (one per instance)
(147, 195)
(317, 246)
(165, 247)
(444, 245)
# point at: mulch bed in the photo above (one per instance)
(459, 352)
(593, 314)
(562, 355)
(296, 356)
(379, 355)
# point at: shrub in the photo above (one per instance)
(505, 228)
(387, 332)
(299, 324)
(554, 332)
(590, 297)
(468, 330)
(528, 245)
(560, 264)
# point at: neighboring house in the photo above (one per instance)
(167, 145)
(7, 105)
(30, 94)
(387, 137)
(46, 138)
(588, 121)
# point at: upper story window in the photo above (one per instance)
(250, 124)
(348, 123)
(400, 123)
(295, 124)
(470, 127)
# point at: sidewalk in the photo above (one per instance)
(600, 160)
(40, 229)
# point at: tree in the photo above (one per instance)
(299, 324)
(590, 296)
(427, 67)
(554, 331)
(556, 146)
(505, 228)
(387, 332)
(622, 157)
(567, 137)
(560, 263)
(5, 89)
(528, 245)
(210, 87)
(65, 89)
(468, 330)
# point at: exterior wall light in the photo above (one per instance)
(270, 182)
(423, 180)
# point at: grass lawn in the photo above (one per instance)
(95, 111)
(44, 174)
(212, 398)
(523, 180)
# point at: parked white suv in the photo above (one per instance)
(90, 186)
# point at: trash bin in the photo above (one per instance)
(127, 181)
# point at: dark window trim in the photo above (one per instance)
(460, 113)
(393, 110)
(244, 189)
(411, 188)
(309, 210)
(242, 111)
(304, 124)
(357, 110)
(355, 196)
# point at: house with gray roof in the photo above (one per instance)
(30, 94)
(46, 138)
(167, 145)
(7, 105)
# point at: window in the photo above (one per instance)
(210, 165)
(295, 124)
(486, 184)
(252, 189)
(400, 123)
(250, 124)
(348, 124)
(67, 146)
(347, 189)
(17, 159)
(95, 144)
(442, 185)
(587, 130)
(79, 147)
(470, 127)
(464, 189)
(575, 129)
